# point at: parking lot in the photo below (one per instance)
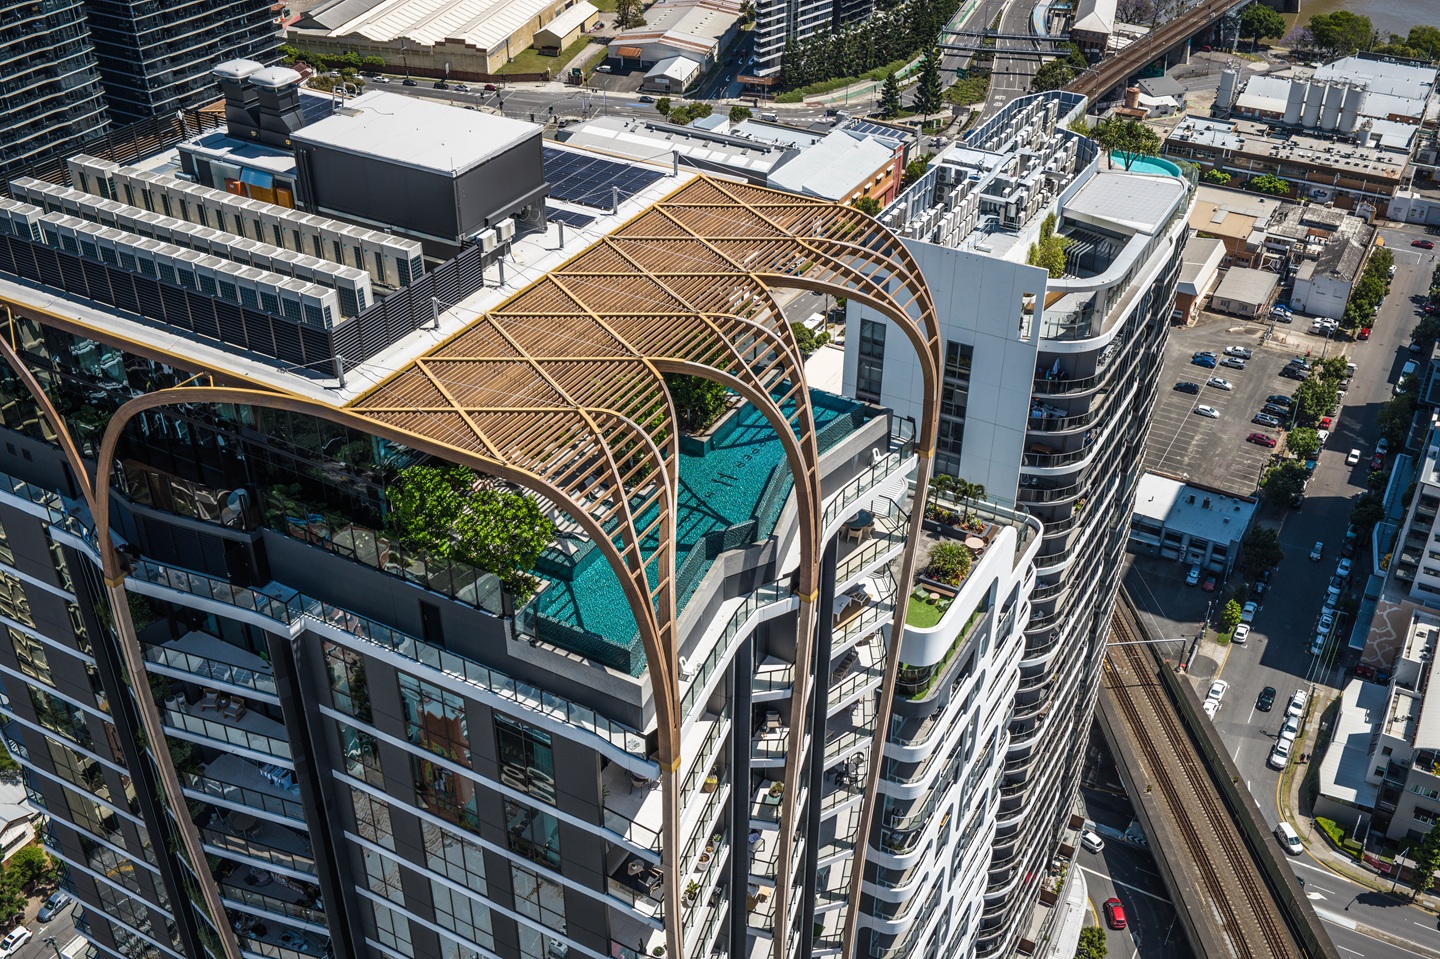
(1214, 452)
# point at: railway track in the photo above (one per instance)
(1240, 901)
(1117, 68)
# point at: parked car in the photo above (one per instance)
(1261, 584)
(1275, 409)
(1241, 634)
(1377, 461)
(1239, 351)
(1217, 690)
(1289, 841)
(1326, 622)
(1290, 730)
(1364, 333)
(1208, 353)
(1353, 458)
(1091, 842)
(20, 935)
(1193, 577)
(1235, 363)
(1317, 645)
(1262, 439)
(1187, 387)
(1383, 446)
(1248, 611)
(1114, 913)
(1296, 705)
(1209, 411)
(1209, 584)
(408, 82)
(1219, 383)
(1323, 436)
(1266, 700)
(1423, 244)
(1279, 755)
(1301, 363)
(1326, 422)
(1210, 708)
(646, 100)
(1317, 551)
(1342, 568)
(1266, 419)
(55, 905)
(1294, 373)
(1206, 361)
(1280, 399)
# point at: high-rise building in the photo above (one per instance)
(155, 58)
(1049, 379)
(52, 98)
(289, 685)
(778, 22)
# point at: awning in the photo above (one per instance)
(257, 178)
(629, 53)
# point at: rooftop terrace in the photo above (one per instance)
(731, 495)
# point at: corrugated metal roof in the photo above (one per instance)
(483, 24)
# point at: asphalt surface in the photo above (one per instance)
(1127, 872)
(61, 929)
(1276, 655)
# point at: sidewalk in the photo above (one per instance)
(1316, 844)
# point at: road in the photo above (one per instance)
(1276, 654)
(62, 930)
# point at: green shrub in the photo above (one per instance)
(950, 562)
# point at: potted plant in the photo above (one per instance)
(711, 784)
(703, 863)
(776, 789)
(715, 839)
(692, 889)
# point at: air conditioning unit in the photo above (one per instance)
(506, 229)
(488, 241)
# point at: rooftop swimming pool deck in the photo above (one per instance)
(1155, 166)
(730, 496)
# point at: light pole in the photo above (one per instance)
(1398, 859)
(50, 941)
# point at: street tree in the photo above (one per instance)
(1367, 511)
(867, 204)
(1261, 549)
(806, 340)
(1230, 616)
(890, 97)
(739, 114)
(1092, 944)
(1304, 442)
(1052, 76)
(1427, 860)
(1128, 137)
(1259, 21)
(1315, 398)
(662, 106)
(1426, 332)
(1270, 184)
(929, 93)
(1284, 481)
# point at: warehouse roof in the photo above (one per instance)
(833, 168)
(571, 18)
(482, 24)
(1096, 16)
(416, 132)
(1247, 286)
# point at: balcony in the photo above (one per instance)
(234, 833)
(255, 888)
(771, 740)
(640, 884)
(274, 940)
(239, 784)
(633, 807)
(859, 670)
(765, 807)
(229, 722)
(202, 658)
(850, 731)
(774, 679)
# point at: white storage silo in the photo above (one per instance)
(1228, 90)
(1330, 113)
(1294, 102)
(1350, 107)
(1314, 97)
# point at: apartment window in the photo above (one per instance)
(1426, 816)
(435, 719)
(79, 770)
(62, 568)
(58, 716)
(532, 833)
(958, 358)
(871, 360)
(362, 754)
(30, 654)
(461, 915)
(372, 818)
(527, 761)
(443, 792)
(87, 815)
(7, 555)
(392, 930)
(77, 624)
(455, 858)
(346, 669)
(12, 599)
(542, 900)
(382, 875)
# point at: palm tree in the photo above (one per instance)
(941, 483)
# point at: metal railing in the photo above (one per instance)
(206, 788)
(764, 596)
(222, 843)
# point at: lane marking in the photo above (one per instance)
(1125, 885)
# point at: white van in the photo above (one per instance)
(1289, 839)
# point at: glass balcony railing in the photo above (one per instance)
(205, 788)
(295, 606)
(209, 669)
(232, 735)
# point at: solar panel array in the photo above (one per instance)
(572, 217)
(875, 129)
(586, 180)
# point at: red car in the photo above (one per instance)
(1423, 244)
(1326, 423)
(1114, 913)
(1209, 584)
(1262, 439)
(1364, 333)
(1377, 461)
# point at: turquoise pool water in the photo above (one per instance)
(1152, 165)
(729, 497)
